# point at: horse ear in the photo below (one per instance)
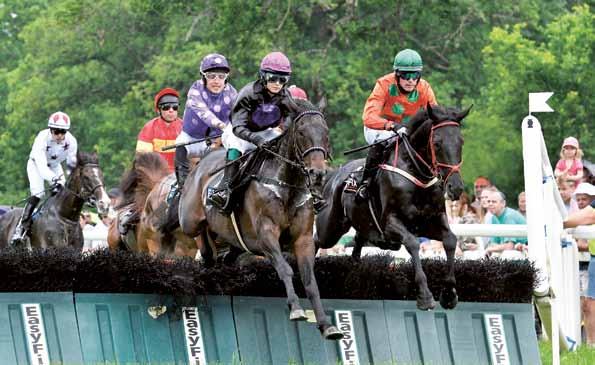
(322, 104)
(464, 113)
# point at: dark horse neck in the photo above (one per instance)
(417, 158)
(283, 171)
(68, 203)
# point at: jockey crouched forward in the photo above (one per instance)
(51, 147)
(396, 98)
(262, 111)
(207, 112)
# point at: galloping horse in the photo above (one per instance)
(406, 197)
(276, 210)
(145, 188)
(56, 222)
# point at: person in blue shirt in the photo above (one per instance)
(501, 214)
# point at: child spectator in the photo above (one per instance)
(570, 165)
(566, 188)
(460, 212)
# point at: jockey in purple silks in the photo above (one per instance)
(207, 112)
(263, 110)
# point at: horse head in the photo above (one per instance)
(309, 132)
(88, 180)
(445, 146)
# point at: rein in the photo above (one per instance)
(91, 192)
(415, 157)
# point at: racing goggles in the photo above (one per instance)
(276, 78)
(215, 75)
(165, 107)
(58, 131)
(412, 75)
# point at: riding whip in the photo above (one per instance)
(357, 149)
(172, 146)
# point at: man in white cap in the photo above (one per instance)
(585, 198)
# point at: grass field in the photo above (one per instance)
(583, 356)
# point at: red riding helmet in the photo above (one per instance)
(167, 95)
(297, 93)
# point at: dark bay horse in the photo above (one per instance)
(406, 196)
(56, 222)
(275, 213)
(145, 188)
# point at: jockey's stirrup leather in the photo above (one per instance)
(22, 228)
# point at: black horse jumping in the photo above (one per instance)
(275, 212)
(56, 222)
(406, 196)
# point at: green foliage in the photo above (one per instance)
(102, 61)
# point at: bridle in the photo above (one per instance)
(436, 165)
(89, 192)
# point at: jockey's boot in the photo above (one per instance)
(182, 166)
(220, 198)
(374, 158)
(22, 228)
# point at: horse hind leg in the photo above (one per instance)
(448, 294)
(425, 299)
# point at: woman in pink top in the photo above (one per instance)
(570, 165)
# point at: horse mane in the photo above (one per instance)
(304, 105)
(148, 168)
(84, 158)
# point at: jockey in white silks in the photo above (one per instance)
(51, 147)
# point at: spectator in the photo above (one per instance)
(585, 195)
(570, 165)
(459, 212)
(162, 130)
(503, 215)
(522, 202)
(566, 188)
(484, 216)
(481, 183)
(586, 216)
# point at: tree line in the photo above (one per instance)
(102, 61)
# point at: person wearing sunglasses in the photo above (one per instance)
(207, 112)
(396, 98)
(162, 130)
(51, 147)
(264, 109)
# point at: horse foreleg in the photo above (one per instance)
(448, 295)
(304, 252)
(269, 236)
(396, 231)
(359, 243)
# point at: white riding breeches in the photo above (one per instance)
(375, 135)
(36, 181)
(194, 150)
(230, 140)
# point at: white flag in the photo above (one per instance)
(538, 102)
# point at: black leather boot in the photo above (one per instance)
(22, 228)
(182, 166)
(374, 158)
(220, 198)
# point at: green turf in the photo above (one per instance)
(583, 356)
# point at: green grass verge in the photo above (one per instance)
(583, 356)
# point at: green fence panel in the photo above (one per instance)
(266, 336)
(38, 328)
(118, 328)
(472, 333)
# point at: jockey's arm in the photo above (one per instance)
(199, 109)
(39, 158)
(372, 115)
(71, 157)
(240, 116)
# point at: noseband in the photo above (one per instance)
(437, 164)
(314, 148)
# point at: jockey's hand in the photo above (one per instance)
(260, 141)
(56, 187)
(400, 130)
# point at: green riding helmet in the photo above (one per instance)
(408, 60)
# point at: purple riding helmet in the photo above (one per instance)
(275, 62)
(213, 61)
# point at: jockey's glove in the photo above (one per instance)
(400, 130)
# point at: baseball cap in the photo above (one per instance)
(570, 141)
(585, 188)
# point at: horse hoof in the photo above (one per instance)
(426, 304)
(332, 333)
(297, 315)
(449, 300)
